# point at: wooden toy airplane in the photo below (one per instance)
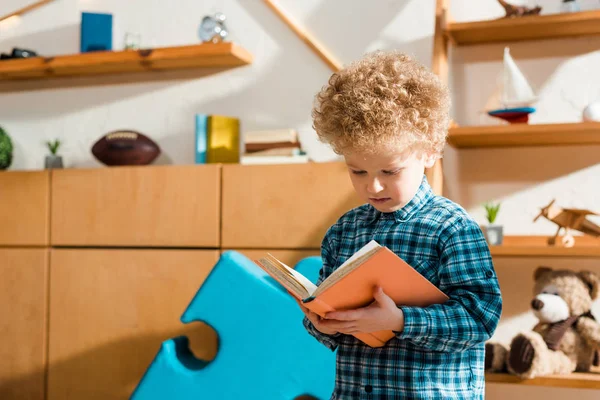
(569, 218)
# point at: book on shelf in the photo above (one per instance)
(352, 285)
(217, 139)
(258, 160)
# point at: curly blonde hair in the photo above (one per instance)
(386, 100)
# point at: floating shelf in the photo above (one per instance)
(552, 26)
(536, 246)
(521, 135)
(216, 56)
(577, 380)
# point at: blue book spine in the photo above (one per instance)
(96, 32)
(201, 138)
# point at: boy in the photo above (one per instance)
(388, 116)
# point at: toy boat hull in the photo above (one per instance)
(517, 115)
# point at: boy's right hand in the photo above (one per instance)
(315, 319)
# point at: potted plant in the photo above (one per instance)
(6, 149)
(493, 233)
(53, 160)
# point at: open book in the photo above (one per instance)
(352, 284)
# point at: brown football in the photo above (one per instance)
(125, 147)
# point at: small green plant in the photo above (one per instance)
(53, 146)
(6, 149)
(491, 211)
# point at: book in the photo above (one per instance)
(201, 138)
(352, 284)
(271, 136)
(256, 160)
(223, 139)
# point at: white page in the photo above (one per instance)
(364, 250)
(310, 287)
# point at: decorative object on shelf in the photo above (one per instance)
(518, 11)
(96, 32)
(493, 233)
(567, 337)
(213, 28)
(591, 112)
(514, 96)
(568, 6)
(6, 149)
(569, 218)
(125, 147)
(18, 53)
(132, 41)
(53, 160)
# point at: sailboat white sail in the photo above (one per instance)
(517, 91)
(514, 96)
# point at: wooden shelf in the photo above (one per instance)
(521, 135)
(577, 380)
(536, 246)
(220, 56)
(552, 26)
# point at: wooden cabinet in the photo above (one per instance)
(25, 206)
(283, 206)
(111, 309)
(23, 322)
(170, 206)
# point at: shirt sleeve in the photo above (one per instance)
(328, 262)
(467, 276)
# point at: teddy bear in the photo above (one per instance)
(567, 337)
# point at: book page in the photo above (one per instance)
(308, 285)
(367, 248)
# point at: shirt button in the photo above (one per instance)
(489, 274)
(368, 388)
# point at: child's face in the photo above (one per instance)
(387, 181)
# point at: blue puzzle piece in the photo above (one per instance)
(264, 351)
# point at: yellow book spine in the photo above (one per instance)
(223, 139)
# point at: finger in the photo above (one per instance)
(337, 325)
(382, 298)
(349, 315)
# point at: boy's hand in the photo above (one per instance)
(381, 315)
(319, 323)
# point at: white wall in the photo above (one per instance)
(277, 90)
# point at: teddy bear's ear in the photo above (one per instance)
(540, 271)
(592, 280)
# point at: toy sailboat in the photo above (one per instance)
(514, 95)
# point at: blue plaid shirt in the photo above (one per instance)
(440, 352)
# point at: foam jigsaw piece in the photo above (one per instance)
(264, 352)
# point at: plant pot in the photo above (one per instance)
(53, 161)
(493, 234)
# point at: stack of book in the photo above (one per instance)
(272, 147)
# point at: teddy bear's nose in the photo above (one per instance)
(537, 304)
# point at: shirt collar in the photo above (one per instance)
(423, 195)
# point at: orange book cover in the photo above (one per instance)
(352, 284)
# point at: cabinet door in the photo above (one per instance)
(283, 206)
(23, 307)
(25, 205)
(111, 309)
(171, 206)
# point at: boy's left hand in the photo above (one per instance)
(381, 315)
